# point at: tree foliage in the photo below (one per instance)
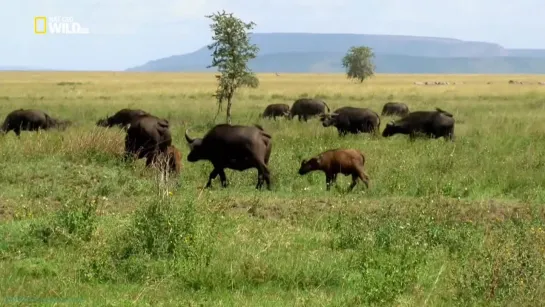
(231, 52)
(358, 63)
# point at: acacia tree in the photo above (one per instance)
(358, 63)
(231, 52)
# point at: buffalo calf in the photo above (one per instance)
(334, 161)
(174, 158)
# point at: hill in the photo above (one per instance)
(306, 52)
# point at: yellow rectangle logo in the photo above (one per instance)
(37, 22)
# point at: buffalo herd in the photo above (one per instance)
(240, 148)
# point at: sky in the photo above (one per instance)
(127, 33)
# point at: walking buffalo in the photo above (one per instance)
(31, 120)
(352, 120)
(395, 108)
(335, 161)
(304, 108)
(147, 137)
(276, 109)
(122, 118)
(235, 147)
(436, 124)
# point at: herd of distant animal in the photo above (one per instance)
(240, 147)
(454, 83)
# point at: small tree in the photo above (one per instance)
(358, 63)
(231, 52)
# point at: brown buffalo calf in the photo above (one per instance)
(334, 161)
(174, 159)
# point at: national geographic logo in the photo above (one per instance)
(58, 25)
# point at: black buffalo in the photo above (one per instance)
(352, 120)
(395, 108)
(436, 124)
(147, 137)
(235, 147)
(276, 109)
(304, 108)
(122, 118)
(31, 120)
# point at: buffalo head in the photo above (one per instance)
(309, 165)
(195, 145)
(328, 119)
(103, 122)
(391, 129)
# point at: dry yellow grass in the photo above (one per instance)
(115, 84)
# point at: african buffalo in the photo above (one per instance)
(235, 147)
(352, 120)
(122, 118)
(305, 108)
(147, 137)
(395, 108)
(276, 109)
(31, 120)
(438, 123)
(335, 161)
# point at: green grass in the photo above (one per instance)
(443, 224)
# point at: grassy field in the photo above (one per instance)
(442, 224)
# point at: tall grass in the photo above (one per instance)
(443, 223)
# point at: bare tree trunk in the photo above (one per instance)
(229, 104)
(220, 103)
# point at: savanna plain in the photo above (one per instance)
(443, 223)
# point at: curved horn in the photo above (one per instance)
(334, 114)
(187, 137)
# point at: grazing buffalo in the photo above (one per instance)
(31, 120)
(304, 108)
(235, 147)
(122, 118)
(352, 120)
(147, 137)
(276, 109)
(395, 108)
(335, 161)
(438, 123)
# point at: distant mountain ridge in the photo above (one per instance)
(308, 52)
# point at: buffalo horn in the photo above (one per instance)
(189, 139)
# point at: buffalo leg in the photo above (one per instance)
(328, 181)
(450, 136)
(263, 174)
(223, 178)
(213, 174)
(361, 175)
